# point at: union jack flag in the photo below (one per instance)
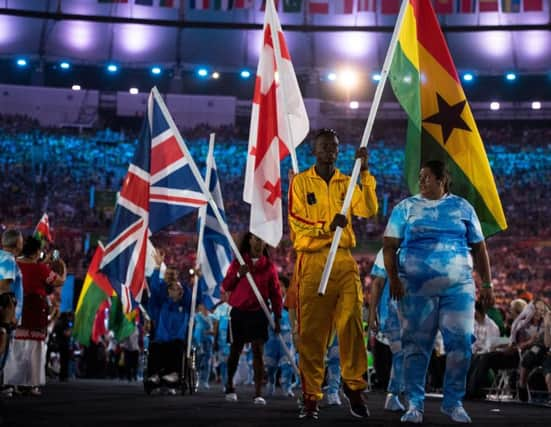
(158, 189)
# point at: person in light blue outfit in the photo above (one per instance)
(429, 245)
(10, 274)
(275, 357)
(221, 318)
(385, 321)
(203, 336)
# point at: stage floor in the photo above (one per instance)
(106, 403)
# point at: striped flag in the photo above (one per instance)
(510, 6)
(215, 258)
(440, 122)
(466, 6)
(223, 4)
(344, 6)
(159, 189)
(533, 5)
(367, 5)
(270, 136)
(318, 7)
(488, 6)
(199, 4)
(242, 4)
(443, 7)
(167, 3)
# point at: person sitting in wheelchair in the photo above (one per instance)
(169, 308)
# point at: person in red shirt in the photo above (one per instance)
(248, 322)
(26, 361)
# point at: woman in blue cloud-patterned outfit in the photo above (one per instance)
(430, 243)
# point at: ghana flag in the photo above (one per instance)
(440, 122)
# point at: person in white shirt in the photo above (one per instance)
(485, 330)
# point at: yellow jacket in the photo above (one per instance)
(313, 204)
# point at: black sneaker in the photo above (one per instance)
(309, 409)
(356, 403)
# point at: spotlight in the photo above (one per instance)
(134, 91)
(494, 106)
(348, 78)
(215, 75)
(21, 62)
(536, 105)
(511, 77)
(332, 77)
(156, 70)
(112, 68)
(376, 77)
(354, 105)
(202, 72)
(245, 74)
(468, 77)
(75, 87)
(64, 65)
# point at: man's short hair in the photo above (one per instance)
(10, 237)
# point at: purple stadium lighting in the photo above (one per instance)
(21, 62)
(156, 70)
(112, 68)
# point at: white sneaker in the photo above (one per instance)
(154, 379)
(172, 392)
(289, 392)
(413, 415)
(333, 399)
(457, 414)
(173, 377)
(231, 397)
(392, 403)
(259, 400)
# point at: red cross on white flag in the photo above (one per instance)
(278, 124)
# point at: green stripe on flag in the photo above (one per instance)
(86, 313)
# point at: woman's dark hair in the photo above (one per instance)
(439, 170)
(245, 245)
(31, 246)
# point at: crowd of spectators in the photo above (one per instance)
(56, 170)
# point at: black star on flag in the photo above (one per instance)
(448, 117)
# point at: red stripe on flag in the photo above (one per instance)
(179, 199)
(122, 237)
(135, 190)
(257, 95)
(165, 154)
(283, 46)
(430, 35)
(267, 123)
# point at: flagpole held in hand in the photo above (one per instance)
(205, 190)
(203, 215)
(365, 139)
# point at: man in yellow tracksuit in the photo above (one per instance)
(315, 201)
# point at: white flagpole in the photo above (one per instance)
(277, 54)
(216, 211)
(200, 248)
(365, 140)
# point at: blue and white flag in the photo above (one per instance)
(215, 256)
